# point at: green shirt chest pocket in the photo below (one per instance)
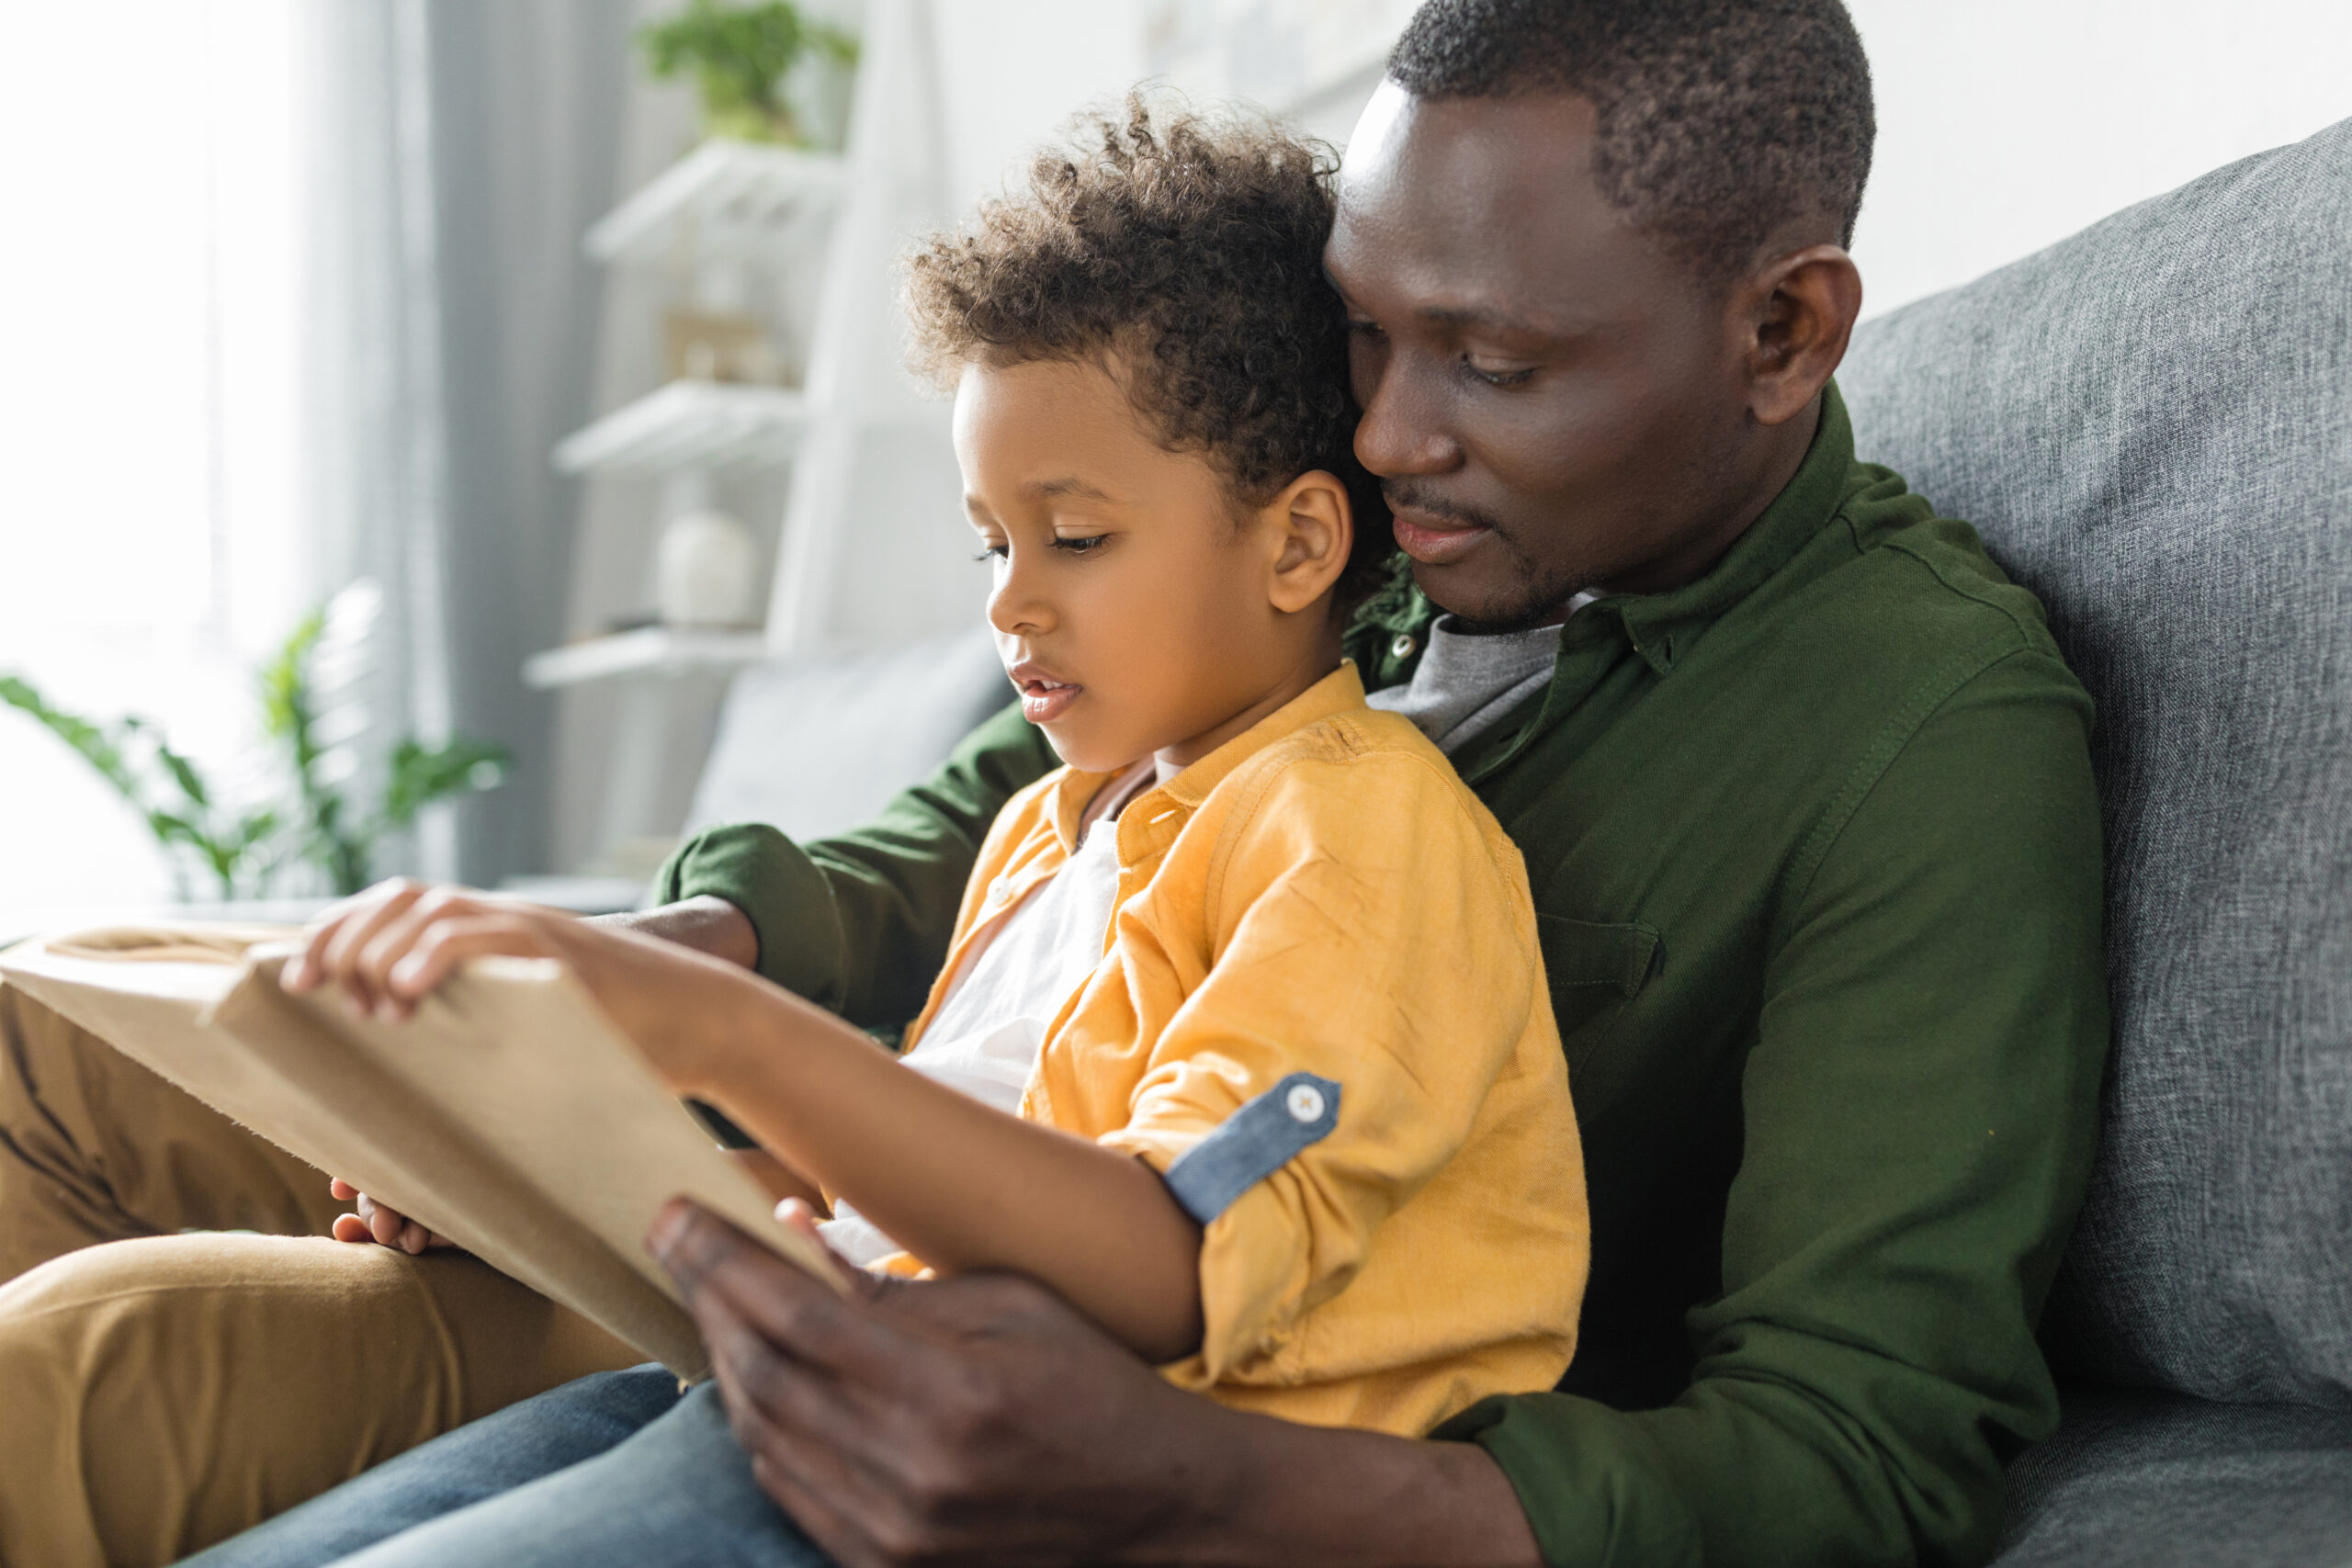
(1594, 969)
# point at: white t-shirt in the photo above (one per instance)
(985, 1038)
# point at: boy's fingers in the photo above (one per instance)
(338, 957)
(343, 1191)
(411, 929)
(450, 943)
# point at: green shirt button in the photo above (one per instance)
(1403, 646)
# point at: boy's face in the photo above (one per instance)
(1135, 608)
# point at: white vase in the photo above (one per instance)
(707, 571)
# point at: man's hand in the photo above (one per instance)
(980, 1420)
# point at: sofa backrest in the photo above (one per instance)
(2151, 423)
(814, 746)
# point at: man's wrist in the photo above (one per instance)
(1282, 1493)
(706, 923)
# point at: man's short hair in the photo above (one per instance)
(1720, 121)
(1190, 246)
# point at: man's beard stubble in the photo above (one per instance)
(1539, 596)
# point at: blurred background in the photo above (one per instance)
(419, 412)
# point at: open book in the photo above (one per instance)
(509, 1115)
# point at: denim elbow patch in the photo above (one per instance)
(1255, 1142)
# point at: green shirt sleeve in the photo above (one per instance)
(1918, 1112)
(859, 923)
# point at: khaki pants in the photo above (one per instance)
(161, 1388)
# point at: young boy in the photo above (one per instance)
(1242, 1043)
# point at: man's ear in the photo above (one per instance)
(1797, 312)
(1314, 528)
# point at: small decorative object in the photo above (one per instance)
(707, 571)
(703, 346)
(321, 823)
(740, 56)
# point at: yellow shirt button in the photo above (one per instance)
(1304, 1103)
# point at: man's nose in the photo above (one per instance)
(1404, 430)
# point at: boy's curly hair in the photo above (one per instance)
(1193, 248)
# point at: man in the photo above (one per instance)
(1805, 802)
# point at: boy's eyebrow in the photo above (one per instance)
(1069, 486)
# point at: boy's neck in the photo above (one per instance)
(1317, 660)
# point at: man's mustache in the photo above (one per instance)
(1405, 495)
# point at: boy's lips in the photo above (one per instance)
(1043, 698)
(1434, 541)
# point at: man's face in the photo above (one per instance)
(1552, 399)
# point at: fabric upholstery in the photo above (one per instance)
(815, 747)
(2145, 1480)
(2151, 423)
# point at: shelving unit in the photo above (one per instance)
(707, 425)
(647, 651)
(725, 198)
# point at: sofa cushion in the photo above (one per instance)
(815, 746)
(2144, 1480)
(2151, 423)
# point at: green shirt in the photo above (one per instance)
(1815, 858)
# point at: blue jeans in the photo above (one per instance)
(613, 1470)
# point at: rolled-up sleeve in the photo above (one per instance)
(1385, 977)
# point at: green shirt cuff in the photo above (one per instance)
(1595, 1489)
(780, 891)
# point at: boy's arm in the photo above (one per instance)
(961, 1185)
(858, 922)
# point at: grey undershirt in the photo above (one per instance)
(1467, 682)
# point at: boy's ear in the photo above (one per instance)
(1314, 528)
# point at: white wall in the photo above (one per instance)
(2004, 125)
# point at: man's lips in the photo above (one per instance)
(1043, 698)
(1434, 541)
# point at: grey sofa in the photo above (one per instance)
(2151, 423)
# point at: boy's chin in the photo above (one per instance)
(1087, 753)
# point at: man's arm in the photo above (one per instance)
(858, 922)
(1920, 1117)
(981, 1420)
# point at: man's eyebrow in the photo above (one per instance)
(1495, 320)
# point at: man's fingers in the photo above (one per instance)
(804, 1316)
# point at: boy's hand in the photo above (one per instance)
(376, 1222)
(390, 947)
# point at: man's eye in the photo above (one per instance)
(1497, 377)
(1364, 329)
(1079, 544)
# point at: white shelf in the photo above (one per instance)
(729, 195)
(709, 424)
(649, 651)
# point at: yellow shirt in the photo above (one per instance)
(1324, 895)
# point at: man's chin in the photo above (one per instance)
(1485, 601)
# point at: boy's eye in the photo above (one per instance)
(990, 552)
(1079, 544)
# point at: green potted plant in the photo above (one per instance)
(244, 848)
(740, 56)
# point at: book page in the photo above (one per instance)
(509, 1115)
